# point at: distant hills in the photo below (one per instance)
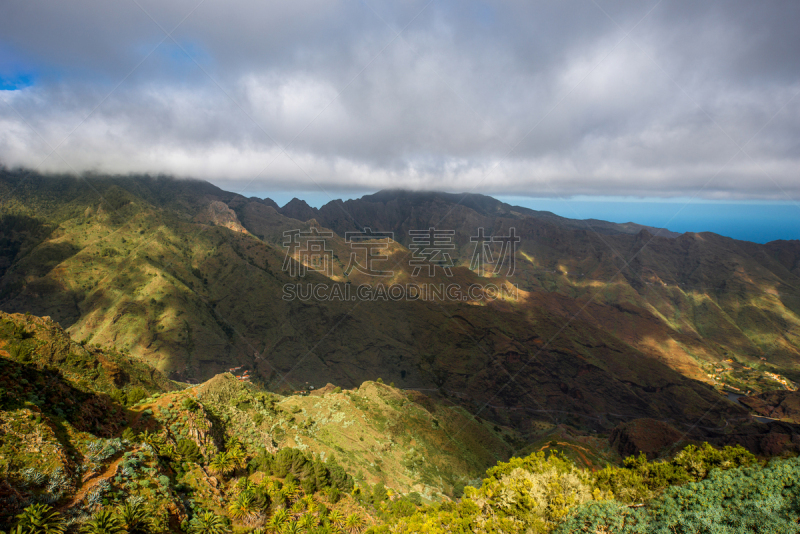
(609, 322)
(395, 209)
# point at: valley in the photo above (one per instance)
(163, 305)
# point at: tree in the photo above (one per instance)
(40, 519)
(354, 523)
(245, 509)
(307, 522)
(189, 451)
(134, 517)
(237, 456)
(291, 528)
(309, 485)
(208, 523)
(336, 519)
(293, 461)
(740, 499)
(222, 464)
(152, 439)
(103, 522)
(263, 461)
(321, 474)
(339, 476)
(277, 521)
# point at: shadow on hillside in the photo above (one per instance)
(46, 391)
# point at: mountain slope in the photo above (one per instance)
(605, 328)
(83, 427)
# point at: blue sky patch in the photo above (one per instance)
(15, 82)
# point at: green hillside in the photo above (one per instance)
(84, 429)
(94, 441)
(189, 278)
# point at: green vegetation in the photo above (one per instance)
(170, 271)
(702, 489)
(40, 518)
(640, 480)
(743, 499)
(226, 456)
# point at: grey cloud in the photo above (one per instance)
(539, 98)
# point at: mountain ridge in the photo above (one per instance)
(330, 213)
(606, 327)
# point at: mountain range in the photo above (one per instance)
(597, 324)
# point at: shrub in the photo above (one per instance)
(531, 494)
(128, 434)
(189, 451)
(32, 477)
(379, 493)
(640, 480)
(333, 494)
(40, 519)
(263, 461)
(134, 395)
(741, 499)
(103, 522)
(190, 404)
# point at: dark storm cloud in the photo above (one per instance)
(540, 98)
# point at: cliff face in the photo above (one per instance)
(219, 214)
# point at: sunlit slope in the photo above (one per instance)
(376, 432)
(737, 299)
(164, 270)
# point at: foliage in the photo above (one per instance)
(314, 475)
(189, 451)
(190, 404)
(222, 464)
(742, 499)
(702, 489)
(245, 508)
(528, 494)
(40, 519)
(640, 480)
(208, 523)
(103, 522)
(133, 516)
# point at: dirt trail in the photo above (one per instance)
(109, 472)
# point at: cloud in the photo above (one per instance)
(648, 99)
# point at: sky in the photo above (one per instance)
(645, 103)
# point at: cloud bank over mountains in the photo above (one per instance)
(529, 98)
